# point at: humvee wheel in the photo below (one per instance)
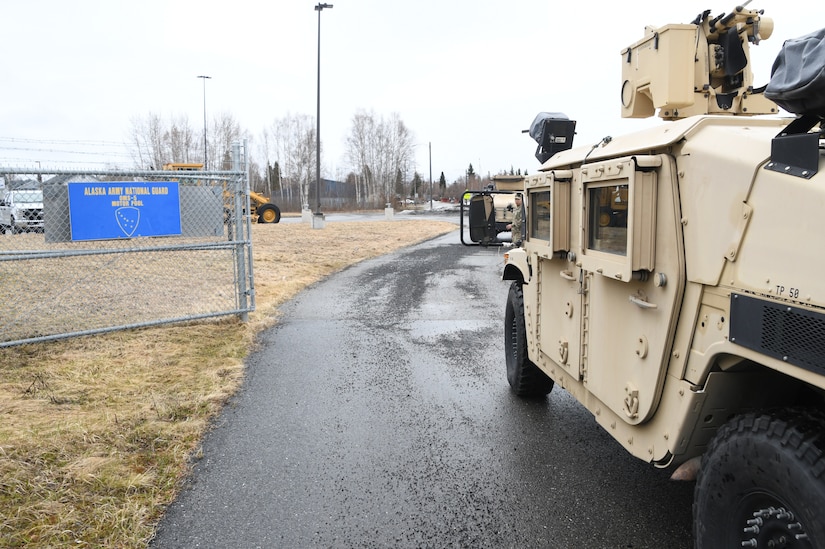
(762, 483)
(269, 213)
(524, 377)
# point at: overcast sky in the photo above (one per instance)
(467, 77)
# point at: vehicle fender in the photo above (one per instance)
(516, 266)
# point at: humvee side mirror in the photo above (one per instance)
(488, 214)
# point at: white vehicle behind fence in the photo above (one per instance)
(21, 210)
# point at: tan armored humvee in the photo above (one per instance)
(505, 204)
(673, 282)
(491, 211)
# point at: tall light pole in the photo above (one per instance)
(430, 144)
(205, 78)
(319, 8)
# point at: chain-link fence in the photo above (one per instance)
(84, 252)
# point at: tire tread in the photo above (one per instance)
(801, 431)
(529, 379)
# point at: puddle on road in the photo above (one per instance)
(428, 329)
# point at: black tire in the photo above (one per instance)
(762, 483)
(525, 378)
(268, 213)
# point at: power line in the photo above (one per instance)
(65, 141)
(63, 151)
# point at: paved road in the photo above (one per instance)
(377, 414)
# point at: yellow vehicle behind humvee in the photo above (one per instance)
(671, 282)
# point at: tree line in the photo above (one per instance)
(379, 151)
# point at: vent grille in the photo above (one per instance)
(791, 334)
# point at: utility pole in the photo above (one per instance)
(431, 175)
(205, 78)
(319, 8)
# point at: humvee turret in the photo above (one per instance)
(671, 281)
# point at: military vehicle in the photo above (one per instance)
(490, 212)
(260, 206)
(670, 279)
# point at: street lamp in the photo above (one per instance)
(319, 8)
(430, 144)
(205, 78)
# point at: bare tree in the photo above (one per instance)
(224, 133)
(155, 142)
(257, 178)
(146, 140)
(264, 151)
(359, 151)
(378, 149)
(180, 140)
(291, 143)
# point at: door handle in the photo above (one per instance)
(636, 300)
(567, 275)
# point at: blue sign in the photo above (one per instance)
(102, 211)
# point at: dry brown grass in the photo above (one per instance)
(96, 433)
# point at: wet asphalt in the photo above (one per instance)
(377, 414)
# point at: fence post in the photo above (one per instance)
(247, 194)
(241, 209)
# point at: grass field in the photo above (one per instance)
(97, 433)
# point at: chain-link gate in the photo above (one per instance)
(85, 252)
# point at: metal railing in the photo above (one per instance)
(112, 250)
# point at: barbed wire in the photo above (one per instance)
(64, 151)
(54, 153)
(64, 141)
(54, 164)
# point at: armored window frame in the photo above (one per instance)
(634, 180)
(548, 199)
(541, 215)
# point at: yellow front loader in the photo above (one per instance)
(260, 206)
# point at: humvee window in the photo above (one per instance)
(607, 219)
(540, 215)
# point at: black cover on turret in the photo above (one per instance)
(798, 75)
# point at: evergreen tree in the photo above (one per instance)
(399, 183)
(274, 177)
(416, 184)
